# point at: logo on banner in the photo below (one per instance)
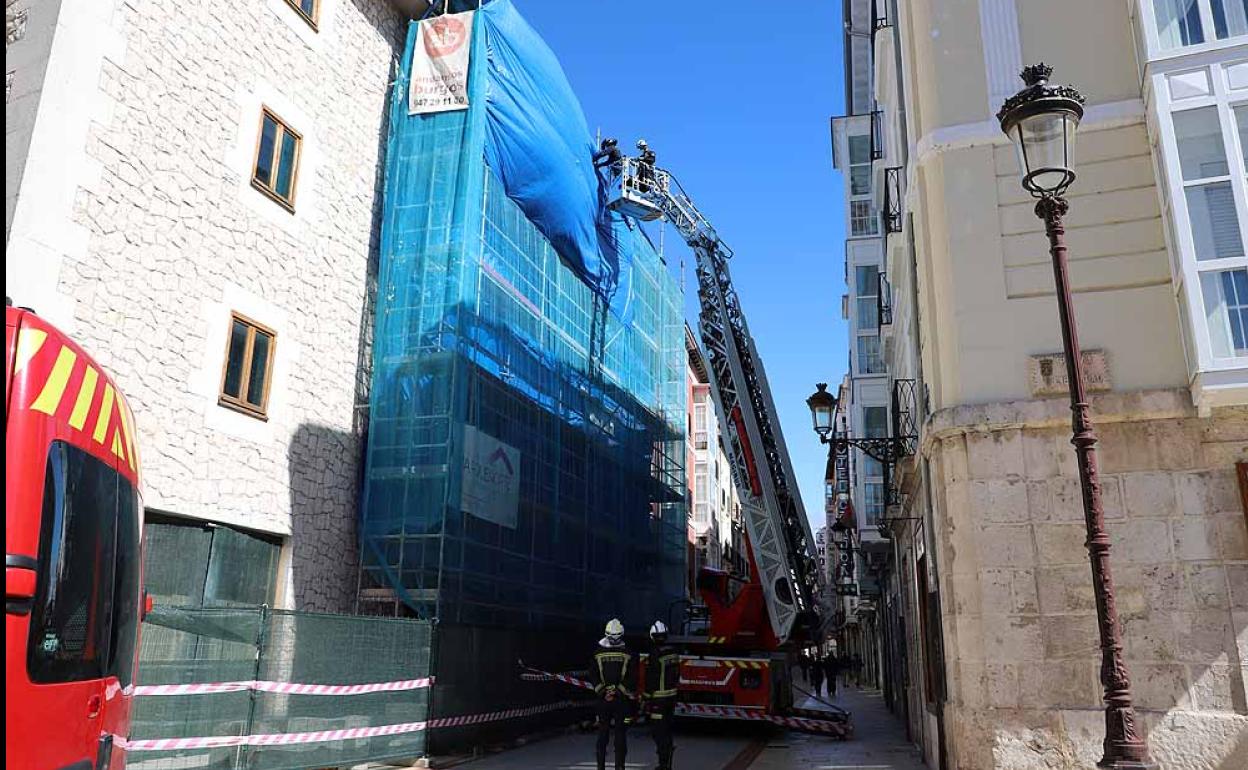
(491, 478)
(440, 58)
(444, 36)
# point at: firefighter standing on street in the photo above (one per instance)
(662, 679)
(610, 673)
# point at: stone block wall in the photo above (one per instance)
(173, 239)
(1019, 612)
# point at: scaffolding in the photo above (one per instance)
(483, 330)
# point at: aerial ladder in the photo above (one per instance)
(742, 660)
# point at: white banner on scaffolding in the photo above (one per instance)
(440, 64)
(491, 478)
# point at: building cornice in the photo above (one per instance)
(1098, 117)
(1115, 407)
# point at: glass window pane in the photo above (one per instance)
(874, 503)
(286, 165)
(1230, 18)
(875, 421)
(862, 219)
(1241, 122)
(872, 468)
(308, 7)
(868, 313)
(71, 619)
(1225, 293)
(1215, 223)
(264, 155)
(259, 369)
(869, 361)
(1178, 23)
(859, 149)
(233, 384)
(860, 180)
(1199, 136)
(867, 280)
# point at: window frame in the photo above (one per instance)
(266, 189)
(1148, 18)
(240, 403)
(313, 20)
(1187, 269)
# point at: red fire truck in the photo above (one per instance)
(735, 664)
(72, 554)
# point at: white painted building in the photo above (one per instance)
(193, 195)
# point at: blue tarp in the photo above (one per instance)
(538, 143)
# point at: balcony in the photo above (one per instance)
(880, 18)
(884, 303)
(905, 429)
(877, 134)
(892, 200)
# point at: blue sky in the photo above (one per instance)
(735, 100)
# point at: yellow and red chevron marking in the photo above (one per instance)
(752, 663)
(72, 391)
(717, 640)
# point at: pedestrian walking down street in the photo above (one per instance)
(803, 662)
(610, 672)
(816, 671)
(831, 667)
(662, 681)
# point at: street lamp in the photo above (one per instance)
(822, 410)
(1041, 121)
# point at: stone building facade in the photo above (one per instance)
(139, 228)
(987, 618)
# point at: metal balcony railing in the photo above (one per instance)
(906, 414)
(880, 18)
(884, 302)
(877, 134)
(905, 430)
(892, 200)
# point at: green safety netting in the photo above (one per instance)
(486, 337)
(195, 645)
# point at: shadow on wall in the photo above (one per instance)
(1238, 758)
(324, 467)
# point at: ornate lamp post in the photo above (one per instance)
(1041, 120)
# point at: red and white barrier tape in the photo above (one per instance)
(534, 675)
(733, 712)
(345, 734)
(291, 688)
(717, 712)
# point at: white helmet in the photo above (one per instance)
(614, 630)
(658, 630)
(641, 144)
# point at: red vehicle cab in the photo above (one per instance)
(72, 554)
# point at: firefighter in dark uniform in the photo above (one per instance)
(610, 672)
(662, 681)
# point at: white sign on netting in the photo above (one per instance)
(440, 64)
(491, 478)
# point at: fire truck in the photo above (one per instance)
(736, 663)
(72, 563)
